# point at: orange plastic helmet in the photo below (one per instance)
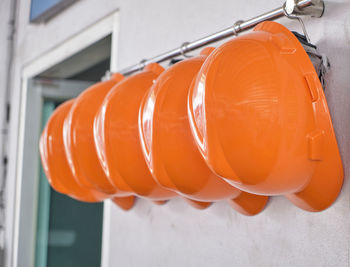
(55, 163)
(117, 140)
(261, 121)
(79, 139)
(56, 167)
(169, 147)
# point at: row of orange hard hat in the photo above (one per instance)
(240, 123)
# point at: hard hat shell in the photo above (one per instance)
(168, 144)
(260, 119)
(117, 140)
(79, 139)
(55, 163)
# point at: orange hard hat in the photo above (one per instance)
(79, 139)
(117, 138)
(260, 119)
(169, 146)
(57, 169)
(55, 163)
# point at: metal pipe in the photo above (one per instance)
(239, 26)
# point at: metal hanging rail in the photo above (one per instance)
(290, 9)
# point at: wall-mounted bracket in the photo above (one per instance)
(295, 7)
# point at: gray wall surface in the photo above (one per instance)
(175, 234)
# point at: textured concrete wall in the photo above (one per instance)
(176, 234)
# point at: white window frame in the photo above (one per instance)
(15, 215)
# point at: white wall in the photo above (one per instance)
(176, 234)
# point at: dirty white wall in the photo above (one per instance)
(4, 30)
(4, 65)
(176, 234)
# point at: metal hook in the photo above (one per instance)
(142, 63)
(107, 76)
(285, 12)
(238, 25)
(183, 49)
